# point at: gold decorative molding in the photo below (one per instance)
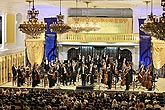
(99, 37)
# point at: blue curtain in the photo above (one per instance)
(145, 46)
(50, 41)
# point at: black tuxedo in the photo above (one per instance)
(91, 72)
(14, 71)
(107, 60)
(103, 56)
(19, 77)
(74, 71)
(129, 76)
(97, 62)
(34, 77)
(120, 62)
(83, 71)
(64, 73)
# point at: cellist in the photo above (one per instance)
(141, 72)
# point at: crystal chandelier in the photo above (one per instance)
(76, 27)
(59, 27)
(33, 26)
(154, 25)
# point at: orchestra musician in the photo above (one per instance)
(64, 74)
(19, 76)
(147, 78)
(91, 72)
(142, 67)
(56, 72)
(110, 72)
(51, 75)
(27, 70)
(34, 75)
(128, 76)
(103, 56)
(79, 57)
(131, 71)
(73, 71)
(116, 71)
(107, 59)
(120, 61)
(83, 72)
(103, 69)
(97, 62)
(14, 72)
(83, 60)
(46, 65)
(141, 72)
(22, 69)
(89, 60)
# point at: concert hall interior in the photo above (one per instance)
(82, 54)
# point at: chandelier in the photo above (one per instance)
(59, 27)
(154, 25)
(33, 26)
(76, 27)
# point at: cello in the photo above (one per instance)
(140, 76)
(123, 82)
(105, 78)
(125, 72)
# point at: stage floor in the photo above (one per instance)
(160, 86)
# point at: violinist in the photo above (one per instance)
(74, 71)
(128, 75)
(110, 71)
(97, 62)
(116, 71)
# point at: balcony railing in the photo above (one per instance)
(99, 37)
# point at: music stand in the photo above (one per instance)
(154, 85)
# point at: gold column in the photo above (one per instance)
(10, 66)
(6, 69)
(3, 69)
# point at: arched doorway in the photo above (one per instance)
(126, 54)
(72, 53)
